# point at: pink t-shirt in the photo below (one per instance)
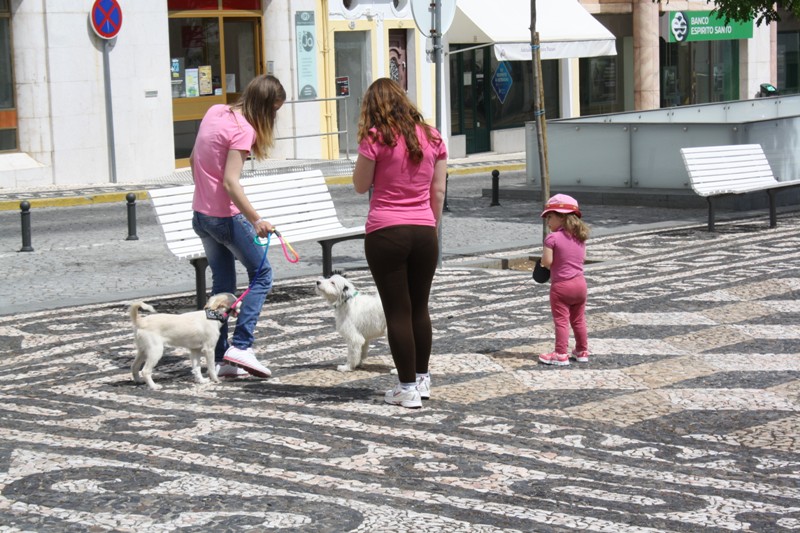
(221, 130)
(568, 255)
(401, 190)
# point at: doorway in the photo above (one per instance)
(212, 60)
(352, 61)
(398, 50)
(470, 72)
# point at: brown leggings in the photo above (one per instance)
(403, 260)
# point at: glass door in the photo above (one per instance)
(352, 62)
(242, 56)
(469, 98)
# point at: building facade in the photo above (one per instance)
(78, 108)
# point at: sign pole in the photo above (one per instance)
(112, 156)
(437, 54)
(106, 20)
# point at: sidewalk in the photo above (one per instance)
(685, 418)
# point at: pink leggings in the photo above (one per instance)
(568, 305)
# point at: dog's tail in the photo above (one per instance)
(134, 310)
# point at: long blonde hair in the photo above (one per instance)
(386, 108)
(259, 105)
(575, 227)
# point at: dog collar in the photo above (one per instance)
(350, 297)
(213, 314)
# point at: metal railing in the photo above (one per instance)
(323, 134)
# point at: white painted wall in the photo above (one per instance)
(58, 63)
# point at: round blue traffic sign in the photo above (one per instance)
(106, 18)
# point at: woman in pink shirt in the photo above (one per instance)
(564, 254)
(226, 221)
(404, 160)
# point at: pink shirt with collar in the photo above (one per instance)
(221, 130)
(401, 190)
(569, 255)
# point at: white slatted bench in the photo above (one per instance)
(298, 204)
(716, 171)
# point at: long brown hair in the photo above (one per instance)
(386, 108)
(575, 227)
(259, 105)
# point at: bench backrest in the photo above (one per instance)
(729, 169)
(298, 204)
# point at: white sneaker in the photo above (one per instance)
(228, 371)
(424, 387)
(246, 359)
(409, 398)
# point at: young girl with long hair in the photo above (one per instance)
(226, 221)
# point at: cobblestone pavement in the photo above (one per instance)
(686, 418)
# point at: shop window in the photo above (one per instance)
(8, 112)
(195, 52)
(601, 84)
(517, 108)
(699, 72)
(215, 50)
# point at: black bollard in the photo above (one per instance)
(25, 207)
(446, 207)
(495, 188)
(131, 217)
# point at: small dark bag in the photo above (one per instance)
(540, 273)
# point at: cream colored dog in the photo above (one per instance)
(197, 331)
(359, 317)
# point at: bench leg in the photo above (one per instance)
(773, 215)
(200, 266)
(327, 258)
(711, 214)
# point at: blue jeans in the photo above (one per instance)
(226, 239)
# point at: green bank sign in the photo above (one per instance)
(688, 26)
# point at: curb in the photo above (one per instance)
(76, 198)
(71, 201)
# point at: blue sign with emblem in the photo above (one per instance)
(501, 81)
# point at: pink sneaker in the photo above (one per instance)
(581, 357)
(553, 358)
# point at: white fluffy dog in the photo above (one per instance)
(198, 331)
(359, 317)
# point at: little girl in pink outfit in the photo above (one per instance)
(564, 254)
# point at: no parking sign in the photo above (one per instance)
(106, 18)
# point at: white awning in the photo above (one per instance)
(565, 29)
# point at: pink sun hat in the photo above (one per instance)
(562, 203)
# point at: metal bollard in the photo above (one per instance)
(446, 207)
(25, 207)
(495, 188)
(131, 217)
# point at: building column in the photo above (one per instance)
(646, 93)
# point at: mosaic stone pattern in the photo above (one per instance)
(686, 418)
